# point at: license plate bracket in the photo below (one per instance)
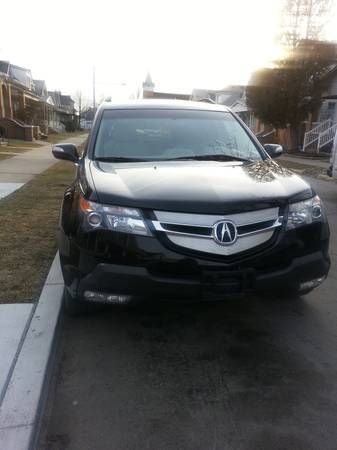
(221, 282)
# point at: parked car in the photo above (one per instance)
(179, 200)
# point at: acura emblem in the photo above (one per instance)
(225, 232)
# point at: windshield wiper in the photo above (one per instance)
(207, 157)
(211, 157)
(118, 159)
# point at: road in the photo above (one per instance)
(250, 374)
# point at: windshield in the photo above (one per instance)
(152, 135)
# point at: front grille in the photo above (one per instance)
(187, 229)
(197, 232)
(208, 231)
(252, 227)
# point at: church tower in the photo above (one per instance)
(148, 86)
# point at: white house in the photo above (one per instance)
(322, 133)
(235, 98)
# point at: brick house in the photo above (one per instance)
(64, 112)
(16, 95)
(27, 110)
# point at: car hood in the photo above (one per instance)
(208, 187)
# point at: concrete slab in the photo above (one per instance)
(55, 273)
(13, 320)
(8, 188)
(16, 438)
(21, 403)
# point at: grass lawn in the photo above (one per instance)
(62, 137)
(18, 146)
(303, 169)
(17, 143)
(10, 149)
(28, 220)
(5, 156)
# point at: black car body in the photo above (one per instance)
(190, 225)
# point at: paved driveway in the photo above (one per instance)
(257, 374)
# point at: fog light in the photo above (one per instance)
(316, 211)
(311, 284)
(99, 297)
(121, 299)
(94, 219)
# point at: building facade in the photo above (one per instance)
(235, 98)
(27, 110)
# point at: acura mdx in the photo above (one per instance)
(179, 200)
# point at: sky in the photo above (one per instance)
(184, 44)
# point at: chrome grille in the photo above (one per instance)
(196, 231)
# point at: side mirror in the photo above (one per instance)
(66, 152)
(273, 150)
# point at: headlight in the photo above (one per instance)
(114, 218)
(304, 213)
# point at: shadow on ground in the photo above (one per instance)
(227, 375)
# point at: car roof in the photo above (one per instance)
(164, 104)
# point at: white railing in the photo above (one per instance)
(311, 137)
(326, 137)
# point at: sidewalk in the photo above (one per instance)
(18, 170)
(27, 338)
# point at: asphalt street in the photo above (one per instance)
(254, 373)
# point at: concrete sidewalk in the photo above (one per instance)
(27, 339)
(18, 170)
(24, 167)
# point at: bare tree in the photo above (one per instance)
(286, 94)
(303, 19)
(82, 103)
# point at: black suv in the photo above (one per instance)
(179, 200)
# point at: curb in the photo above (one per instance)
(26, 388)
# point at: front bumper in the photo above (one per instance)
(142, 267)
(138, 282)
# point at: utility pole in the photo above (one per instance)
(93, 88)
(309, 18)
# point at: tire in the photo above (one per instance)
(73, 307)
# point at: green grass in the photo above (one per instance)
(28, 220)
